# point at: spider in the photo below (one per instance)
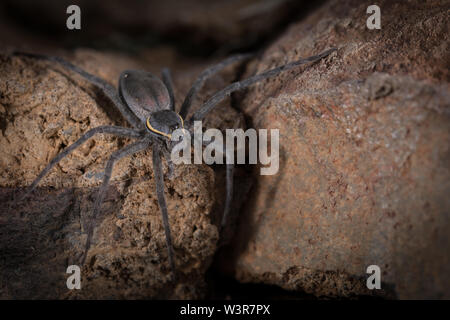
(147, 104)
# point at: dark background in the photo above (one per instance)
(194, 27)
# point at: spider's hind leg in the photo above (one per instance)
(239, 85)
(205, 75)
(126, 151)
(101, 84)
(167, 80)
(167, 155)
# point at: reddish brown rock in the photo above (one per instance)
(44, 108)
(364, 156)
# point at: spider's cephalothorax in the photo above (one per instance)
(164, 122)
(147, 103)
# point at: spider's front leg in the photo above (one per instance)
(126, 151)
(114, 130)
(167, 155)
(239, 85)
(219, 96)
(159, 181)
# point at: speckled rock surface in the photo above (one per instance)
(364, 156)
(44, 108)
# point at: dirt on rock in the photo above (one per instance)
(364, 156)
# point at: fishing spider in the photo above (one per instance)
(147, 104)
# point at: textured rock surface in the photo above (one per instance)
(44, 108)
(364, 156)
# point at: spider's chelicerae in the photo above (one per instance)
(147, 103)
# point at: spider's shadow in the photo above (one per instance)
(35, 232)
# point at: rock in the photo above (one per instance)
(364, 157)
(44, 108)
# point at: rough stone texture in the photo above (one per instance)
(44, 108)
(364, 156)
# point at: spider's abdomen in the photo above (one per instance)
(143, 93)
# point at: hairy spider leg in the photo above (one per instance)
(118, 131)
(229, 184)
(169, 162)
(238, 85)
(159, 181)
(117, 155)
(205, 75)
(104, 86)
(229, 195)
(167, 80)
